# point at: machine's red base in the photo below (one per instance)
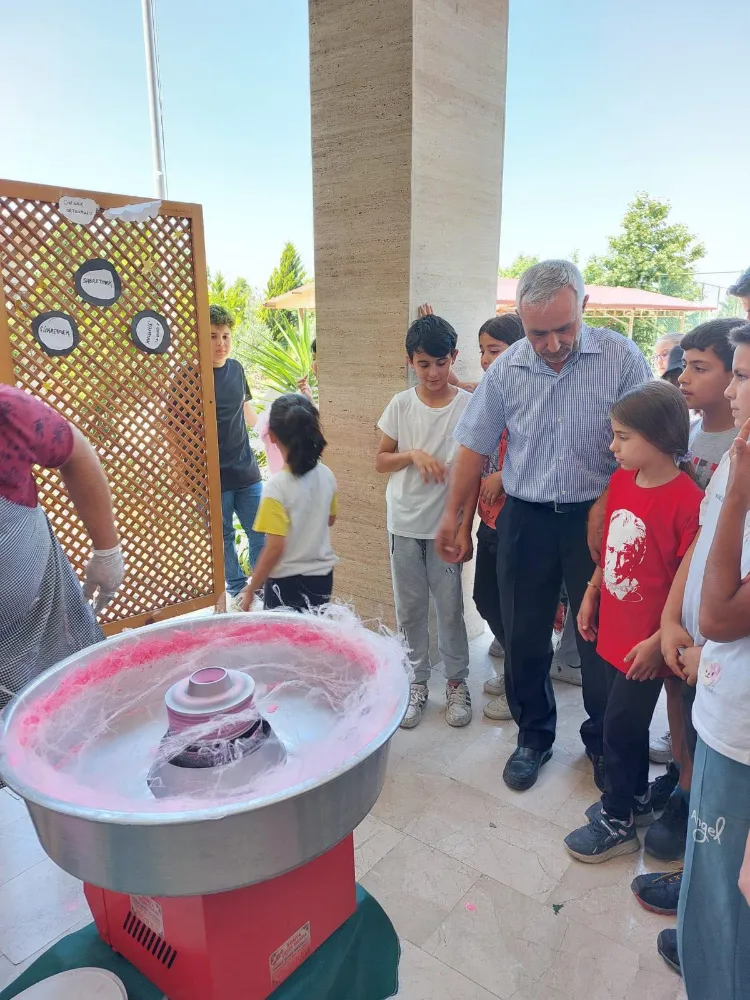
(237, 945)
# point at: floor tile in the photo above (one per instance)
(36, 908)
(499, 938)
(418, 887)
(481, 766)
(649, 985)
(407, 791)
(372, 841)
(599, 896)
(19, 849)
(12, 808)
(423, 977)
(508, 844)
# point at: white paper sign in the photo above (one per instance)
(80, 210)
(134, 213)
(98, 282)
(56, 333)
(150, 332)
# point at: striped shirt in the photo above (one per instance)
(559, 431)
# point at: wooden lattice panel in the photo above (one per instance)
(151, 417)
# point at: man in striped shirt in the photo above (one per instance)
(553, 391)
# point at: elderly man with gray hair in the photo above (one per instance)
(553, 391)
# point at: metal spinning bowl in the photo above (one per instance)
(211, 848)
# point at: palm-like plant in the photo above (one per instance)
(285, 357)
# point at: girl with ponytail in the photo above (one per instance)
(650, 522)
(298, 507)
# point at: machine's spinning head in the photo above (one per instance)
(213, 723)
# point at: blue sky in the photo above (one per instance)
(604, 99)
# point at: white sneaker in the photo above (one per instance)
(417, 702)
(496, 648)
(498, 709)
(564, 672)
(660, 749)
(495, 686)
(458, 701)
(235, 603)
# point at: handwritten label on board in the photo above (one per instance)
(80, 210)
(150, 332)
(55, 332)
(98, 283)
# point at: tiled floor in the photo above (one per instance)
(474, 876)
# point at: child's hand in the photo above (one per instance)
(464, 545)
(425, 310)
(738, 484)
(646, 659)
(430, 469)
(588, 615)
(304, 387)
(246, 598)
(491, 489)
(690, 661)
(673, 638)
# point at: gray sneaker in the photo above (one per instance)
(660, 749)
(458, 702)
(417, 701)
(564, 672)
(495, 686)
(496, 648)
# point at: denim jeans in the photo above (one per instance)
(713, 917)
(244, 503)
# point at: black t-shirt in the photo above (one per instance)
(236, 459)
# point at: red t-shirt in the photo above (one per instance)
(31, 433)
(493, 463)
(646, 534)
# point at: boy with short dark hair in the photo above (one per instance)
(415, 451)
(241, 485)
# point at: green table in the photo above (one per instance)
(360, 960)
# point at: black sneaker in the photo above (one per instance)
(603, 838)
(658, 892)
(664, 785)
(666, 838)
(666, 945)
(643, 812)
(597, 762)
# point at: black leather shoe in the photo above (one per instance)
(522, 768)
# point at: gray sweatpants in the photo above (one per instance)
(418, 571)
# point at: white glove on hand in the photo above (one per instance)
(104, 573)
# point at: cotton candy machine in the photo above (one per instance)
(203, 778)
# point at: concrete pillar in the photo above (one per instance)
(408, 101)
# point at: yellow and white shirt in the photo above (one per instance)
(298, 507)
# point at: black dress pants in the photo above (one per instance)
(538, 550)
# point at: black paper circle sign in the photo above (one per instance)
(98, 283)
(56, 333)
(150, 332)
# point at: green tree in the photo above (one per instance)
(652, 253)
(288, 275)
(522, 263)
(243, 302)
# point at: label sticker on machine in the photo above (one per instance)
(290, 955)
(149, 912)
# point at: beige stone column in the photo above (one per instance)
(408, 101)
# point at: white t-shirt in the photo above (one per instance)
(721, 712)
(298, 507)
(414, 508)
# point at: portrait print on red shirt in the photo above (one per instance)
(646, 534)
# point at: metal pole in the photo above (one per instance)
(154, 100)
